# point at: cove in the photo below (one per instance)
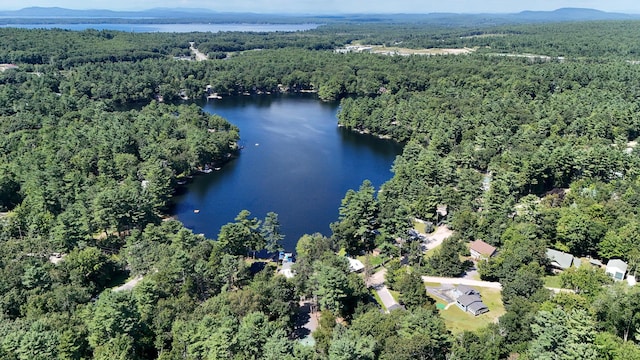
(296, 162)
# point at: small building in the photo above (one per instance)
(561, 260)
(287, 263)
(616, 268)
(472, 303)
(480, 250)
(355, 265)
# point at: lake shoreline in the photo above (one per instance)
(296, 162)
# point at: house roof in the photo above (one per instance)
(560, 259)
(482, 247)
(467, 290)
(618, 264)
(477, 307)
(355, 264)
(466, 300)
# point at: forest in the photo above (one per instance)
(529, 140)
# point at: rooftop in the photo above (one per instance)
(560, 259)
(466, 300)
(464, 289)
(482, 247)
(355, 265)
(618, 264)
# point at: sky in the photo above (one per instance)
(337, 6)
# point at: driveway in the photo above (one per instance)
(436, 238)
(376, 281)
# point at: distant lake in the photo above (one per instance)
(178, 28)
(296, 162)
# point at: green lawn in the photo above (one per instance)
(552, 281)
(419, 226)
(395, 294)
(375, 261)
(377, 297)
(458, 320)
(430, 253)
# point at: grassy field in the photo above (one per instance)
(431, 252)
(458, 320)
(377, 297)
(395, 294)
(552, 281)
(419, 226)
(375, 261)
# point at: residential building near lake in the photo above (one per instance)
(468, 299)
(617, 269)
(480, 250)
(560, 261)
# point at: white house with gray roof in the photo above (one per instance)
(616, 268)
(468, 299)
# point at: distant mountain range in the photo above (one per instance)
(56, 14)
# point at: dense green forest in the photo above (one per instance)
(528, 139)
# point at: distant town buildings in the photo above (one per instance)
(354, 49)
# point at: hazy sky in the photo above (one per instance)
(337, 6)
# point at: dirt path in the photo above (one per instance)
(199, 56)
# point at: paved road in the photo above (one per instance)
(478, 283)
(461, 281)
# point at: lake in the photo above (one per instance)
(179, 28)
(296, 162)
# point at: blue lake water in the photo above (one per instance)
(171, 27)
(296, 162)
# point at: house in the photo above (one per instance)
(355, 265)
(472, 303)
(616, 268)
(468, 299)
(461, 290)
(286, 269)
(480, 250)
(561, 260)
(287, 263)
